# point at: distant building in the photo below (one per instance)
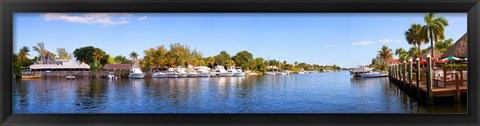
(61, 67)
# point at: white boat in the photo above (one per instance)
(372, 75)
(136, 73)
(181, 72)
(158, 74)
(239, 73)
(70, 77)
(220, 70)
(231, 71)
(111, 76)
(302, 71)
(269, 73)
(356, 72)
(283, 72)
(171, 73)
(203, 71)
(192, 73)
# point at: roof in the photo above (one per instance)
(459, 49)
(72, 64)
(438, 54)
(116, 66)
(394, 61)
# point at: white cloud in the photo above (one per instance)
(363, 43)
(105, 19)
(143, 18)
(330, 46)
(389, 41)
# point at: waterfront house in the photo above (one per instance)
(459, 49)
(49, 66)
(119, 70)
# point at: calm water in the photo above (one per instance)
(334, 92)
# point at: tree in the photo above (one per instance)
(415, 36)
(243, 58)
(435, 27)
(229, 63)
(85, 54)
(40, 48)
(133, 55)
(23, 54)
(401, 53)
(63, 54)
(98, 55)
(121, 60)
(221, 58)
(386, 54)
(413, 53)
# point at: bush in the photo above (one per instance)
(455, 66)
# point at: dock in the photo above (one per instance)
(441, 82)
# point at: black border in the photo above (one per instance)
(10, 6)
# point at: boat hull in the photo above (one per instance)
(192, 75)
(159, 75)
(182, 75)
(373, 75)
(137, 75)
(31, 77)
(241, 74)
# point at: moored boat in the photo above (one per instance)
(136, 73)
(181, 72)
(158, 74)
(171, 73)
(239, 72)
(373, 75)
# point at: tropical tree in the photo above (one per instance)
(40, 48)
(23, 54)
(121, 60)
(221, 58)
(402, 54)
(386, 54)
(97, 56)
(415, 36)
(63, 54)
(243, 58)
(133, 55)
(229, 63)
(85, 54)
(434, 29)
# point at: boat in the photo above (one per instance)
(192, 73)
(373, 75)
(203, 71)
(239, 72)
(136, 73)
(302, 71)
(356, 72)
(171, 73)
(31, 77)
(70, 77)
(111, 76)
(158, 74)
(181, 72)
(269, 73)
(220, 71)
(283, 72)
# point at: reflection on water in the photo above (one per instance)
(309, 93)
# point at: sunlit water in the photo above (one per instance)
(334, 92)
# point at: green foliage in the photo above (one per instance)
(63, 54)
(86, 54)
(121, 60)
(455, 66)
(243, 58)
(221, 58)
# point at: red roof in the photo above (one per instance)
(116, 66)
(394, 61)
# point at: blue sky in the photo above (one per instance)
(344, 39)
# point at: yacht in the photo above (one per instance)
(356, 72)
(158, 74)
(192, 73)
(220, 70)
(203, 73)
(171, 73)
(136, 73)
(372, 75)
(283, 72)
(239, 72)
(270, 73)
(302, 71)
(181, 72)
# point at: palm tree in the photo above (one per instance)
(22, 55)
(40, 48)
(386, 54)
(401, 53)
(133, 55)
(415, 36)
(412, 53)
(434, 29)
(98, 55)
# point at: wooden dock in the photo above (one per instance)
(428, 88)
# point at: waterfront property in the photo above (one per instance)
(119, 70)
(448, 79)
(58, 68)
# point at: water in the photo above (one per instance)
(334, 92)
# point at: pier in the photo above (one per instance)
(441, 82)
